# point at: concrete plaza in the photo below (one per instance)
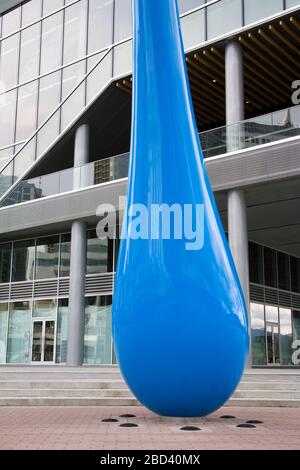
(74, 428)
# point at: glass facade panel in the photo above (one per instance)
(45, 309)
(65, 255)
(19, 333)
(97, 337)
(23, 261)
(5, 261)
(30, 53)
(51, 5)
(7, 119)
(51, 53)
(123, 59)
(3, 331)
(292, 3)
(186, 5)
(270, 264)
(223, 17)
(11, 21)
(100, 76)
(99, 254)
(31, 11)
(296, 337)
(75, 31)
(62, 331)
(286, 336)
(193, 29)
(9, 62)
(27, 111)
(123, 20)
(100, 28)
(71, 77)
(272, 314)
(47, 254)
(284, 281)
(295, 274)
(256, 263)
(258, 334)
(49, 99)
(257, 9)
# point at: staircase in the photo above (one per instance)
(104, 386)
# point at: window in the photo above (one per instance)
(47, 253)
(223, 17)
(27, 111)
(19, 333)
(7, 118)
(5, 260)
(186, 5)
(97, 338)
(257, 9)
(100, 32)
(270, 267)
(30, 53)
(123, 19)
(295, 274)
(283, 262)
(51, 53)
(3, 331)
(65, 255)
(258, 334)
(99, 254)
(272, 314)
(286, 336)
(256, 263)
(52, 5)
(75, 34)
(31, 11)
(292, 3)
(9, 62)
(62, 331)
(49, 99)
(23, 261)
(44, 309)
(193, 29)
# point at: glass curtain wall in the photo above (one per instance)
(64, 32)
(98, 326)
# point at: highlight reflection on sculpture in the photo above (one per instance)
(179, 317)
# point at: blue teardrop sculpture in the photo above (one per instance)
(179, 317)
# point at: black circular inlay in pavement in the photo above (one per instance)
(110, 420)
(127, 416)
(128, 425)
(228, 417)
(190, 428)
(254, 421)
(246, 425)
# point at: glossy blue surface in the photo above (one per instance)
(179, 317)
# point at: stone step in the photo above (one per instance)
(68, 401)
(281, 385)
(267, 394)
(278, 403)
(69, 393)
(62, 384)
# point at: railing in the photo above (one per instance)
(250, 133)
(101, 171)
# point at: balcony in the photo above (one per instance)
(251, 133)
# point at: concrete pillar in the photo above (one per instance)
(237, 206)
(78, 259)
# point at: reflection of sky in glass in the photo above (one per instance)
(257, 317)
(285, 321)
(271, 314)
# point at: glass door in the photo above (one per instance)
(272, 343)
(43, 341)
